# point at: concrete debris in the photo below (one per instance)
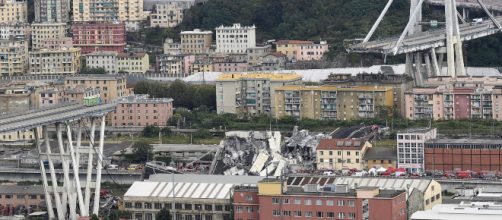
(263, 153)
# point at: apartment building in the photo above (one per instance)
(171, 47)
(141, 111)
(18, 136)
(99, 36)
(138, 63)
(299, 50)
(331, 102)
(269, 62)
(42, 31)
(380, 156)
(410, 148)
(172, 65)
(14, 196)
(273, 199)
(52, 11)
(478, 155)
(56, 43)
(102, 59)
(255, 54)
(14, 31)
(111, 87)
(449, 102)
(235, 38)
(338, 154)
(13, 11)
(169, 13)
(250, 93)
(196, 41)
(13, 57)
(63, 61)
(129, 12)
(49, 97)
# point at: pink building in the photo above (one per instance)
(99, 36)
(13, 197)
(50, 97)
(141, 111)
(230, 66)
(298, 50)
(57, 43)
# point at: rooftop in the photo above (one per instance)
(144, 99)
(197, 31)
(463, 211)
(284, 42)
(416, 130)
(333, 88)
(14, 189)
(96, 77)
(271, 76)
(131, 55)
(235, 26)
(182, 147)
(341, 144)
(380, 153)
(350, 193)
(465, 141)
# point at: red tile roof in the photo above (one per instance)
(278, 54)
(283, 42)
(341, 144)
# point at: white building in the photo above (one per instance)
(235, 39)
(462, 211)
(410, 148)
(14, 30)
(169, 13)
(102, 59)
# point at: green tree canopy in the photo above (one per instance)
(142, 152)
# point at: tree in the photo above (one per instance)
(163, 214)
(142, 152)
(151, 131)
(94, 217)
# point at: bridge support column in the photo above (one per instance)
(453, 41)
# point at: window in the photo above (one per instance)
(341, 202)
(320, 214)
(298, 201)
(348, 153)
(20, 196)
(128, 205)
(178, 206)
(218, 207)
(352, 215)
(148, 205)
(276, 213)
(249, 209)
(208, 207)
(249, 198)
(275, 200)
(138, 205)
(339, 153)
(285, 201)
(341, 215)
(308, 214)
(352, 203)
(209, 217)
(158, 205)
(32, 196)
(308, 202)
(329, 202)
(330, 214)
(286, 213)
(239, 209)
(438, 196)
(321, 152)
(188, 206)
(318, 202)
(199, 206)
(298, 213)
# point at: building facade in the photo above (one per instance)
(52, 11)
(380, 156)
(42, 31)
(196, 41)
(99, 36)
(142, 111)
(338, 154)
(64, 61)
(273, 200)
(410, 148)
(13, 11)
(297, 50)
(235, 38)
(13, 57)
(129, 12)
(13, 197)
(250, 93)
(169, 13)
(171, 47)
(449, 155)
(330, 102)
(138, 63)
(172, 65)
(469, 210)
(10, 31)
(111, 87)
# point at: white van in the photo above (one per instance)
(112, 167)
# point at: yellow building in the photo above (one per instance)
(271, 187)
(111, 86)
(337, 154)
(330, 102)
(13, 11)
(13, 57)
(42, 31)
(64, 61)
(27, 135)
(381, 156)
(196, 41)
(133, 62)
(250, 93)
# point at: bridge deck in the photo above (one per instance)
(426, 40)
(46, 116)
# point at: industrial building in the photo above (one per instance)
(463, 211)
(194, 196)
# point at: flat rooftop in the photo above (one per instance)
(416, 130)
(466, 141)
(270, 76)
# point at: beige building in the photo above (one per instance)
(196, 41)
(169, 13)
(14, 30)
(330, 102)
(133, 62)
(52, 11)
(250, 93)
(64, 61)
(111, 86)
(13, 57)
(172, 65)
(42, 31)
(171, 47)
(13, 11)
(338, 154)
(128, 11)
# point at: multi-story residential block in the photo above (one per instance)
(199, 197)
(79, 93)
(13, 57)
(169, 13)
(63, 61)
(270, 62)
(410, 148)
(250, 93)
(129, 12)
(298, 50)
(133, 63)
(53, 11)
(235, 39)
(56, 43)
(195, 63)
(230, 66)
(338, 154)
(172, 65)
(14, 196)
(449, 102)
(330, 102)
(478, 155)
(50, 97)
(255, 54)
(42, 31)
(99, 36)
(171, 47)
(111, 87)
(141, 111)
(13, 11)
(273, 199)
(113, 62)
(380, 156)
(196, 41)
(14, 31)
